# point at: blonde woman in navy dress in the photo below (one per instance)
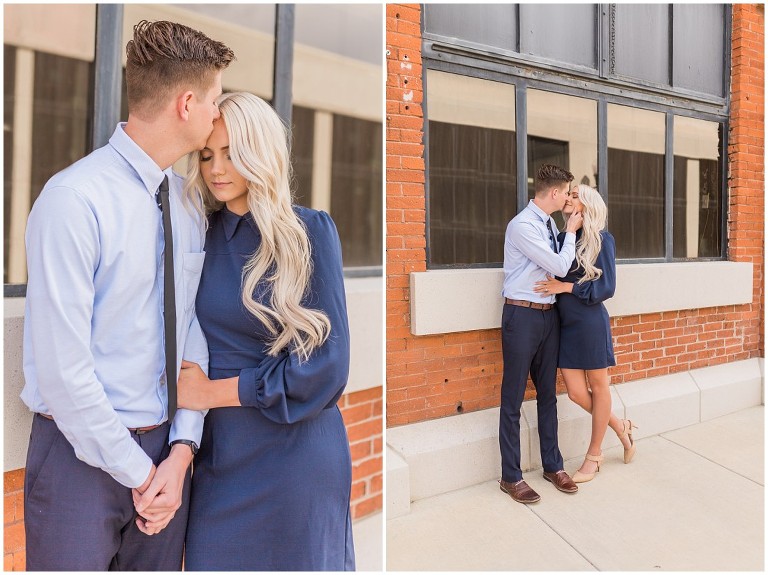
(586, 347)
(271, 482)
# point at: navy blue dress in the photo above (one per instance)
(271, 483)
(585, 329)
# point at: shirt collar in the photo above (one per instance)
(538, 211)
(148, 171)
(230, 222)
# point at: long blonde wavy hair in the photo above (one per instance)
(595, 214)
(259, 150)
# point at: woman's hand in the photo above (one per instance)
(194, 387)
(552, 286)
(196, 391)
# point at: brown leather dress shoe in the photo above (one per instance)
(519, 491)
(561, 481)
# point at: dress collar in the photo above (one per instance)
(230, 222)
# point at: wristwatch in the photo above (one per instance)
(192, 444)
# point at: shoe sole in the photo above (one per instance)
(558, 487)
(538, 497)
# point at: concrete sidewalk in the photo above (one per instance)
(692, 499)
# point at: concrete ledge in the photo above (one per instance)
(450, 453)
(660, 404)
(743, 387)
(475, 294)
(398, 485)
(462, 450)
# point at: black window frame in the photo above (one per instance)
(108, 83)
(457, 56)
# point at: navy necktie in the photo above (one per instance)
(169, 298)
(552, 236)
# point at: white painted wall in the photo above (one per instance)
(366, 322)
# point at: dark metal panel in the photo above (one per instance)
(282, 100)
(521, 132)
(15, 290)
(486, 65)
(108, 72)
(669, 178)
(698, 35)
(561, 32)
(641, 42)
(488, 24)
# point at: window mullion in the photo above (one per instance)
(669, 165)
(521, 131)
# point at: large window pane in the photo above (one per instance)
(489, 24)
(472, 168)
(302, 150)
(697, 188)
(642, 41)
(564, 32)
(356, 173)
(48, 58)
(636, 181)
(562, 130)
(337, 145)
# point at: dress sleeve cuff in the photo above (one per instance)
(249, 386)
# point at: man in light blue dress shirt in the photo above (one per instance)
(530, 329)
(107, 477)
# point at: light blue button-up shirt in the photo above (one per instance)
(94, 355)
(528, 255)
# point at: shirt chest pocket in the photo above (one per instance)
(192, 269)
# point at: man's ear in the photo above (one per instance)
(183, 104)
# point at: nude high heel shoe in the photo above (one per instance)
(580, 477)
(629, 452)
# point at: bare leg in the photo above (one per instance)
(581, 395)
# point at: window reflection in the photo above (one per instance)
(48, 87)
(636, 181)
(472, 168)
(562, 130)
(697, 196)
(356, 172)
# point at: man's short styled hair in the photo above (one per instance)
(164, 56)
(549, 175)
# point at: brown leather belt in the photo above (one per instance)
(530, 304)
(138, 430)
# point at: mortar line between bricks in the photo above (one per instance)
(710, 460)
(532, 509)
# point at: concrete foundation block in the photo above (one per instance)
(398, 496)
(729, 388)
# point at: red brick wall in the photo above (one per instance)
(440, 375)
(14, 542)
(362, 413)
